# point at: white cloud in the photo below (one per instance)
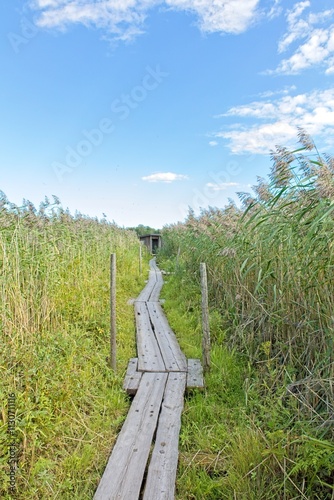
(221, 186)
(285, 91)
(213, 143)
(296, 26)
(164, 177)
(234, 16)
(259, 139)
(117, 17)
(124, 19)
(275, 10)
(330, 69)
(316, 44)
(277, 121)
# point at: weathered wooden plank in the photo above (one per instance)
(147, 290)
(154, 296)
(153, 264)
(149, 355)
(152, 279)
(122, 478)
(160, 483)
(195, 374)
(172, 355)
(162, 336)
(132, 377)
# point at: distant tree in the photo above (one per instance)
(141, 230)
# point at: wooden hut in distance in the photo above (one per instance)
(152, 242)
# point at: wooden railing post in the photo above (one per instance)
(113, 311)
(140, 259)
(205, 319)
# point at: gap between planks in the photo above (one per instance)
(161, 475)
(194, 376)
(123, 476)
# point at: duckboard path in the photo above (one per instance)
(143, 462)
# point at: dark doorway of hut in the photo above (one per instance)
(152, 242)
(155, 244)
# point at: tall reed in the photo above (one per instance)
(270, 266)
(54, 341)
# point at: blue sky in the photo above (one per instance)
(141, 108)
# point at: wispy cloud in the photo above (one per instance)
(121, 18)
(277, 121)
(315, 33)
(275, 10)
(222, 186)
(124, 19)
(234, 16)
(167, 177)
(213, 143)
(271, 93)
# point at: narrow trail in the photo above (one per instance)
(143, 462)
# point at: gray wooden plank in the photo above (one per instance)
(160, 482)
(147, 290)
(123, 475)
(152, 278)
(149, 354)
(154, 296)
(172, 355)
(195, 374)
(132, 377)
(153, 264)
(154, 285)
(163, 339)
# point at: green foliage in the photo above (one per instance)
(263, 426)
(141, 230)
(270, 278)
(54, 337)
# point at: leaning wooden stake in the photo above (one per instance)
(140, 259)
(205, 319)
(113, 311)
(177, 257)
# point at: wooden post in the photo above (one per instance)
(140, 259)
(113, 311)
(205, 319)
(177, 257)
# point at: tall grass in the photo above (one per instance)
(54, 324)
(270, 267)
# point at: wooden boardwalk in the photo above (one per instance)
(143, 462)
